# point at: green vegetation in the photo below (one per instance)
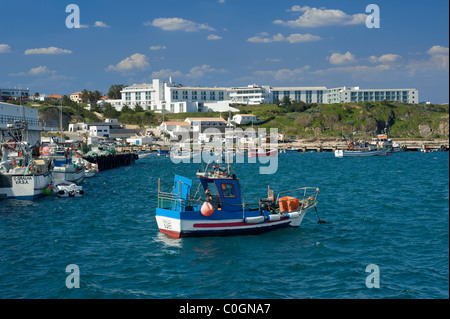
(296, 119)
(366, 119)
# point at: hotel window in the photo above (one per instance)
(127, 96)
(181, 108)
(148, 96)
(172, 108)
(212, 96)
(308, 96)
(174, 95)
(203, 95)
(221, 96)
(298, 95)
(276, 95)
(185, 95)
(138, 96)
(287, 93)
(194, 95)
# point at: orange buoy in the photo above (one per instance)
(207, 209)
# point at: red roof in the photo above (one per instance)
(55, 96)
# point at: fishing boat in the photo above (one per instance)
(21, 175)
(261, 153)
(382, 141)
(361, 148)
(216, 206)
(91, 169)
(144, 154)
(69, 165)
(67, 189)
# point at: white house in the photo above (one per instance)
(244, 118)
(139, 140)
(99, 130)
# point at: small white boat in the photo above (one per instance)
(144, 154)
(361, 149)
(261, 153)
(91, 169)
(67, 189)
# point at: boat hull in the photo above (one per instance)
(345, 153)
(253, 153)
(25, 187)
(184, 224)
(67, 174)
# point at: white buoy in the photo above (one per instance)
(273, 217)
(293, 215)
(254, 220)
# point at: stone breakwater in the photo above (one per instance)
(112, 160)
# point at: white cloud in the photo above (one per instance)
(439, 56)
(283, 75)
(437, 49)
(165, 73)
(314, 17)
(265, 37)
(296, 37)
(213, 37)
(438, 60)
(101, 24)
(37, 71)
(221, 1)
(4, 48)
(157, 47)
(135, 61)
(385, 58)
(201, 71)
(178, 24)
(339, 59)
(49, 50)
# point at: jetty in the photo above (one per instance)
(408, 145)
(311, 145)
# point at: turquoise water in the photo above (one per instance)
(391, 211)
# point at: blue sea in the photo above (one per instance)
(388, 215)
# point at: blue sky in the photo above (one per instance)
(226, 43)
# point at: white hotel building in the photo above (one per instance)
(167, 97)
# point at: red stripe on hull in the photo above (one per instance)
(235, 224)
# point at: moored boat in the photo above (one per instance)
(21, 175)
(67, 189)
(361, 149)
(261, 153)
(220, 210)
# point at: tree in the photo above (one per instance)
(114, 91)
(276, 101)
(36, 94)
(138, 107)
(286, 100)
(85, 95)
(109, 111)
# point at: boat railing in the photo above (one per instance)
(306, 194)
